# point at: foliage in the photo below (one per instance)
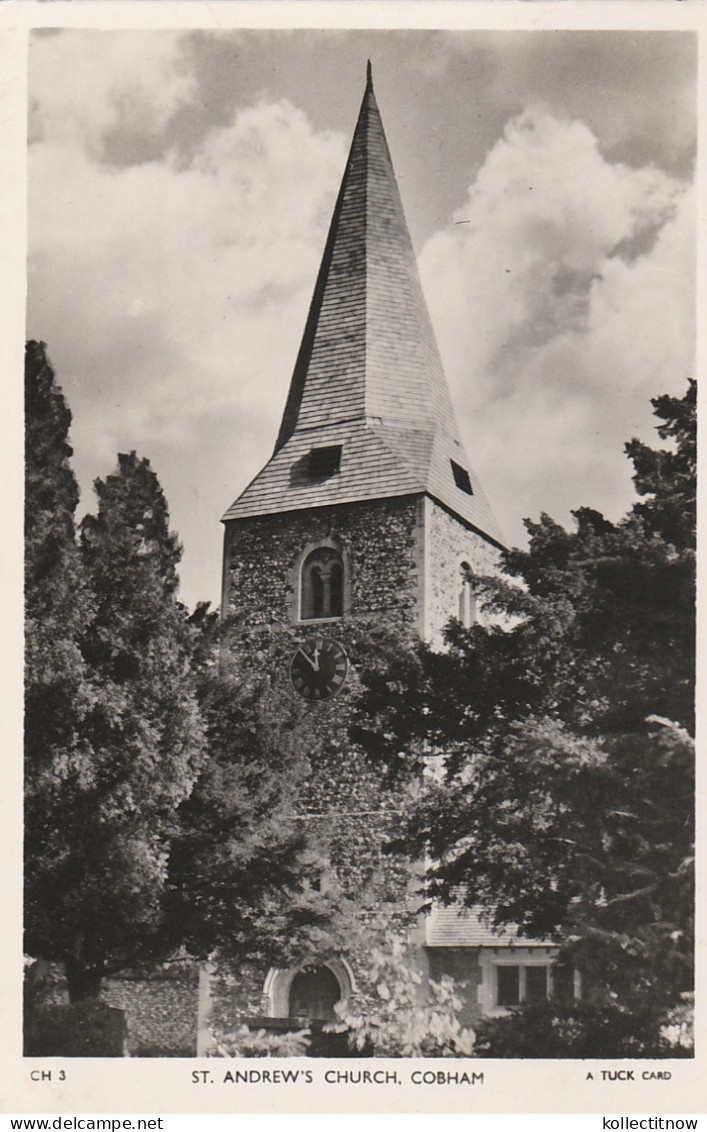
(336, 810)
(58, 690)
(562, 795)
(245, 1042)
(678, 1026)
(84, 1029)
(668, 476)
(242, 866)
(100, 845)
(580, 1029)
(137, 843)
(406, 1018)
(175, 804)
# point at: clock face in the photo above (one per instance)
(318, 668)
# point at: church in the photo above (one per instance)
(367, 513)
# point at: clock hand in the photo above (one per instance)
(314, 663)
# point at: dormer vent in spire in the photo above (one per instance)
(461, 478)
(324, 462)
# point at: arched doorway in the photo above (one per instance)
(337, 984)
(314, 992)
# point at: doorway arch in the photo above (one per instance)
(284, 989)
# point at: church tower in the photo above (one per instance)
(368, 507)
(367, 516)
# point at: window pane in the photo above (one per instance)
(317, 592)
(535, 984)
(508, 985)
(336, 590)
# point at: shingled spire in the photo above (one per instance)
(368, 379)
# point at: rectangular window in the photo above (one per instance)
(535, 984)
(508, 983)
(461, 478)
(324, 462)
(521, 982)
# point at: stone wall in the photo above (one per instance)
(403, 559)
(233, 997)
(160, 1010)
(380, 541)
(448, 543)
(161, 1006)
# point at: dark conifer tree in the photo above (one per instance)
(58, 687)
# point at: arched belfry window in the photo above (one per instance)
(467, 598)
(322, 585)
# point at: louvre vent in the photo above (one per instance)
(461, 478)
(324, 462)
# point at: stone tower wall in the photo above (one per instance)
(382, 547)
(403, 559)
(449, 543)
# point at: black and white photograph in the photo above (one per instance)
(359, 558)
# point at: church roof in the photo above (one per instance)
(368, 377)
(455, 925)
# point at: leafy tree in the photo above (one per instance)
(242, 863)
(580, 1029)
(563, 798)
(668, 476)
(313, 807)
(401, 1018)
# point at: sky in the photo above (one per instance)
(181, 185)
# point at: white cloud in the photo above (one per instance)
(176, 271)
(555, 337)
(172, 296)
(87, 83)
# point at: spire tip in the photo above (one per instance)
(369, 74)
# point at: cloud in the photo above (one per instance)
(172, 295)
(171, 284)
(88, 84)
(563, 299)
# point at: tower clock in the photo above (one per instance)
(318, 668)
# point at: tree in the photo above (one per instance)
(57, 603)
(100, 862)
(310, 810)
(400, 1019)
(668, 476)
(161, 786)
(58, 687)
(565, 802)
(242, 863)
